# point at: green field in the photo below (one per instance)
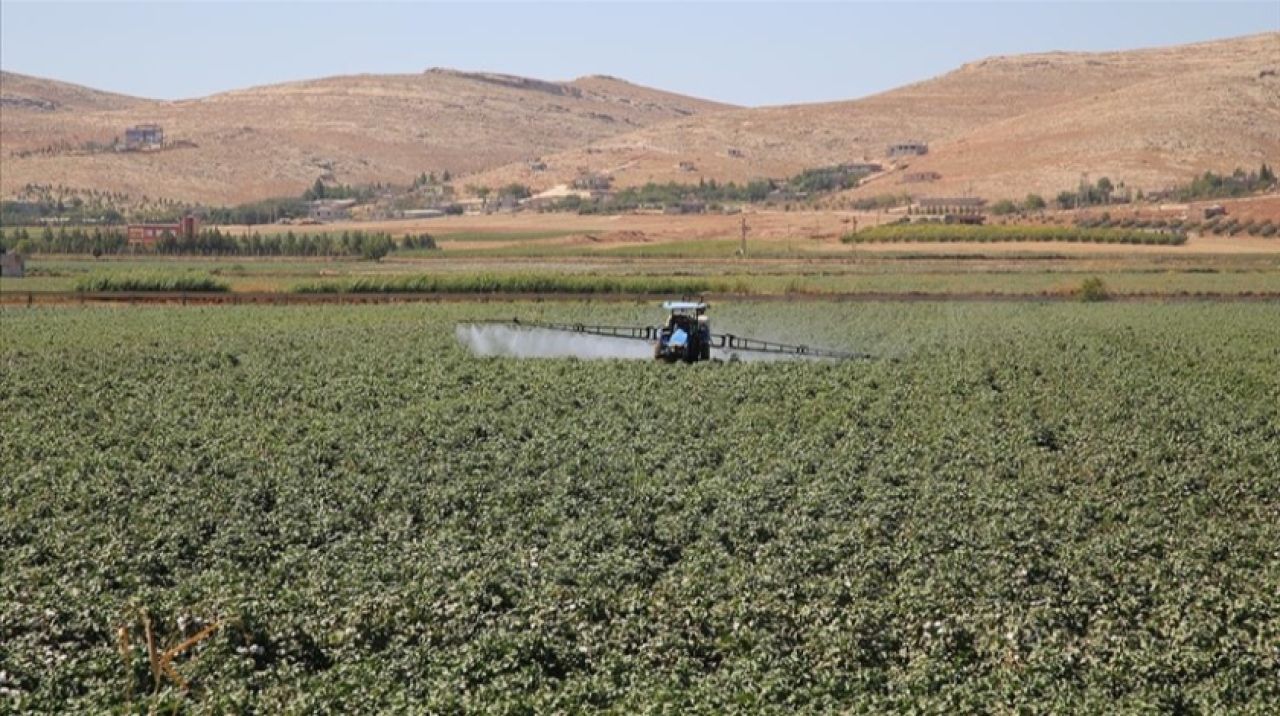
(1030, 508)
(893, 274)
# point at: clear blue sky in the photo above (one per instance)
(742, 53)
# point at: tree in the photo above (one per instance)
(1067, 199)
(317, 191)
(1105, 187)
(1003, 207)
(445, 175)
(1034, 202)
(1266, 175)
(516, 190)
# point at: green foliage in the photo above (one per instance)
(150, 282)
(1219, 186)
(1004, 207)
(1031, 508)
(1093, 289)
(881, 201)
(516, 191)
(1034, 202)
(957, 232)
(267, 211)
(320, 190)
(212, 242)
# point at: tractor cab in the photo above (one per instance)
(686, 335)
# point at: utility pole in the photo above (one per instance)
(742, 250)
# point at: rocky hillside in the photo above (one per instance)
(1000, 127)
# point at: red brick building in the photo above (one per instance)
(149, 234)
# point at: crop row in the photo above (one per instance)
(926, 232)
(511, 283)
(1020, 508)
(173, 281)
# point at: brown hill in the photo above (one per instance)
(277, 140)
(1000, 127)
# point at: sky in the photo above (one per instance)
(742, 53)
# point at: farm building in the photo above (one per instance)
(950, 205)
(950, 210)
(149, 234)
(919, 177)
(908, 149)
(12, 265)
(330, 209)
(688, 206)
(593, 182)
(144, 136)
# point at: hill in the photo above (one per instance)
(999, 127)
(278, 139)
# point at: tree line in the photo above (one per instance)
(212, 242)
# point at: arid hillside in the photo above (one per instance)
(278, 139)
(1000, 127)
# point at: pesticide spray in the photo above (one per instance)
(528, 342)
(510, 341)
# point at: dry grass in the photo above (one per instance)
(999, 128)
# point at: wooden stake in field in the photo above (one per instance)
(742, 250)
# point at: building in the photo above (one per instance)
(688, 206)
(1214, 210)
(908, 149)
(421, 213)
(330, 209)
(950, 205)
(143, 136)
(12, 265)
(919, 177)
(950, 210)
(149, 234)
(593, 182)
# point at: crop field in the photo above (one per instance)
(998, 274)
(1030, 508)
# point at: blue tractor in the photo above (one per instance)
(686, 336)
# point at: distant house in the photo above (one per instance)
(330, 209)
(149, 234)
(1214, 210)
(143, 136)
(919, 177)
(421, 213)
(593, 182)
(950, 205)
(908, 149)
(950, 210)
(12, 265)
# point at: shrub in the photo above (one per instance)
(1093, 289)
